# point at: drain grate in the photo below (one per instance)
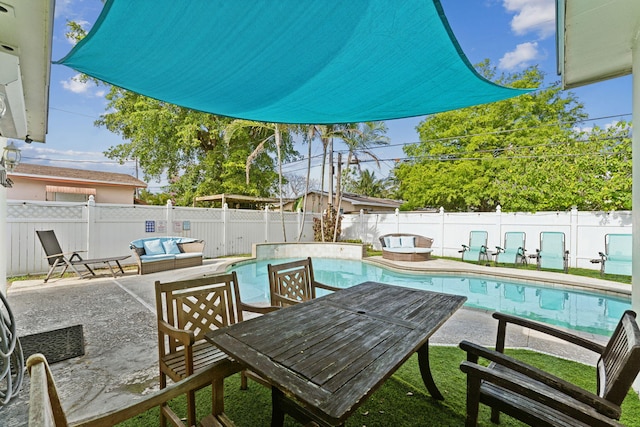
(57, 345)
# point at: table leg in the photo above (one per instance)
(277, 411)
(425, 371)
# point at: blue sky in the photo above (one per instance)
(513, 34)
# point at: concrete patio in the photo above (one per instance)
(119, 322)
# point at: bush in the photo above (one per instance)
(329, 218)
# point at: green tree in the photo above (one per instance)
(513, 152)
(364, 183)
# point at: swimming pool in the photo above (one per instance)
(574, 309)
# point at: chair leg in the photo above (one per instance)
(217, 397)
(191, 408)
(495, 416)
(243, 380)
(473, 401)
(163, 384)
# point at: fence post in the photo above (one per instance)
(499, 224)
(362, 236)
(266, 223)
(225, 225)
(91, 224)
(442, 231)
(169, 217)
(573, 238)
(397, 213)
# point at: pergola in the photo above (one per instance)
(599, 40)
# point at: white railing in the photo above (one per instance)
(103, 230)
(584, 231)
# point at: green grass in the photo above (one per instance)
(584, 272)
(403, 400)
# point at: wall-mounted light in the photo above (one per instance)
(11, 157)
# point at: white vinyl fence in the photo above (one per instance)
(584, 231)
(103, 230)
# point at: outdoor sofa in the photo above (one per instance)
(155, 254)
(406, 247)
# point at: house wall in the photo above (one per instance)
(29, 189)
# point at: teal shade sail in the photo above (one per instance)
(286, 61)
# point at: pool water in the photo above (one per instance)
(577, 310)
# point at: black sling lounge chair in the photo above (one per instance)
(57, 258)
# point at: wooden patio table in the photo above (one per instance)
(329, 354)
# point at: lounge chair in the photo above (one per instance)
(513, 250)
(616, 258)
(477, 248)
(538, 398)
(552, 253)
(57, 258)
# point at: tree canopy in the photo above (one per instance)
(524, 153)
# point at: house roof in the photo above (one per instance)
(356, 200)
(26, 33)
(595, 39)
(53, 173)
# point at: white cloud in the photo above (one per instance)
(532, 16)
(76, 85)
(520, 57)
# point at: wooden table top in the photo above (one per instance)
(330, 353)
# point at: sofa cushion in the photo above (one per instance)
(394, 242)
(188, 255)
(407, 241)
(170, 247)
(386, 241)
(153, 247)
(409, 250)
(160, 257)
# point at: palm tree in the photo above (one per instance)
(268, 132)
(326, 133)
(359, 141)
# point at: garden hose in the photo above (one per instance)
(11, 357)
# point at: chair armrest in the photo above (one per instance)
(327, 287)
(465, 247)
(593, 400)
(257, 308)
(182, 335)
(192, 382)
(513, 382)
(64, 253)
(504, 319)
(499, 249)
(286, 300)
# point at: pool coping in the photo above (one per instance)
(450, 267)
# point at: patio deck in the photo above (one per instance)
(120, 360)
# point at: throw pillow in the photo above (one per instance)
(170, 247)
(408, 241)
(386, 242)
(153, 247)
(394, 242)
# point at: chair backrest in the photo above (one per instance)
(552, 250)
(514, 240)
(198, 305)
(50, 245)
(620, 362)
(618, 246)
(291, 282)
(477, 239)
(552, 242)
